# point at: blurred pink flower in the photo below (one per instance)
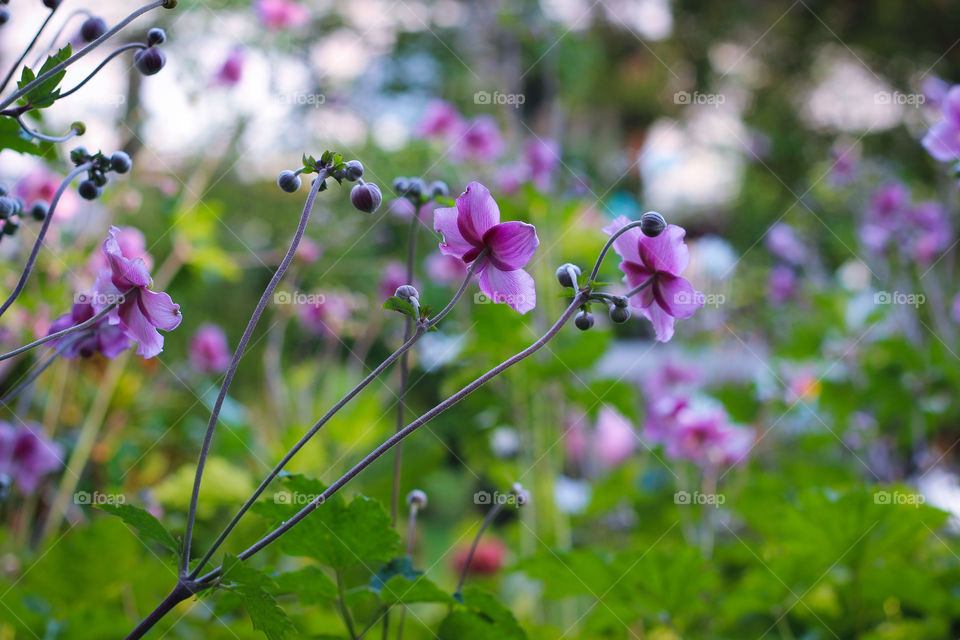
(281, 14)
(542, 157)
(884, 215)
(610, 442)
(934, 89)
(231, 71)
(706, 437)
(781, 284)
(323, 313)
(40, 184)
(445, 270)
(845, 163)
(440, 120)
(943, 140)
(927, 232)
(209, 352)
(26, 455)
(394, 275)
(782, 242)
(308, 251)
(478, 141)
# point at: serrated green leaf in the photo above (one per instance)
(13, 138)
(400, 566)
(401, 590)
(251, 586)
(481, 618)
(398, 304)
(310, 584)
(45, 93)
(144, 521)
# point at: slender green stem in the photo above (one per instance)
(344, 610)
(603, 252)
(74, 132)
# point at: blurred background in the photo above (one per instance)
(784, 467)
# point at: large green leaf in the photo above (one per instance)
(144, 521)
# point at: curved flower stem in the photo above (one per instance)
(56, 36)
(404, 368)
(491, 514)
(407, 430)
(606, 248)
(235, 363)
(114, 54)
(641, 287)
(74, 131)
(32, 259)
(59, 334)
(16, 65)
(373, 375)
(90, 47)
(35, 373)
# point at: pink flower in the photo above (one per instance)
(661, 259)
(132, 245)
(102, 337)
(231, 71)
(542, 158)
(440, 120)
(782, 242)
(884, 215)
(670, 378)
(611, 442)
(943, 140)
(479, 141)
(141, 311)
(209, 352)
(394, 275)
(846, 163)
(281, 14)
(445, 270)
(40, 184)
(308, 251)
(927, 232)
(705, 437)
(781, 284)
(472, 231)
(934, 90)
(324, 313)
(26, 456)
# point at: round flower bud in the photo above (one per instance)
(288, 181)
(621, 302)
(366, 197)
(39, 210)
(156, 36)
(4, 16)
(652, 224)
(523, 496)
(149, 61)
(400, 185)
(619, 314)
(8, 207)
(89, 190)
(407, 292)
(51, 4)
(584, 320)
(79, 155)
(353, 170)
(92, 28)
(10, 226)
(120, 162)
(416, 188)
(439, 189)
(418, 498)
(563, 275)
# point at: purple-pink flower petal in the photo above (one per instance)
(516, 289)
(478, 211)
(511, 244)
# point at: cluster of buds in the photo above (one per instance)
(100, 166)
(150, 59)
(418, 192)
(12, 212)
(365, 196)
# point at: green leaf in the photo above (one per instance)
(251, 586)
(398, 304)
(45, 93)
(144, 521)
(13, 138)
(481, 618)
(310, 584)
(399, 566)
(401, 590)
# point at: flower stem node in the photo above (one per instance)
(92, 28)
(288, 181)
(121, 162)
(417, 498)
(366, 197)
(584, 320)
(407, 292)
(149, 61)
(619, 314)
(565, 277)
(89, 190)
(652, 224)
(353, 170)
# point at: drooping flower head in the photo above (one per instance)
(209, 352)
(281, 14)
(102, 337)
(943, 140)
(472, 231)
(662, 259)
(132, 244)
(26, 456)
(140, 311)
